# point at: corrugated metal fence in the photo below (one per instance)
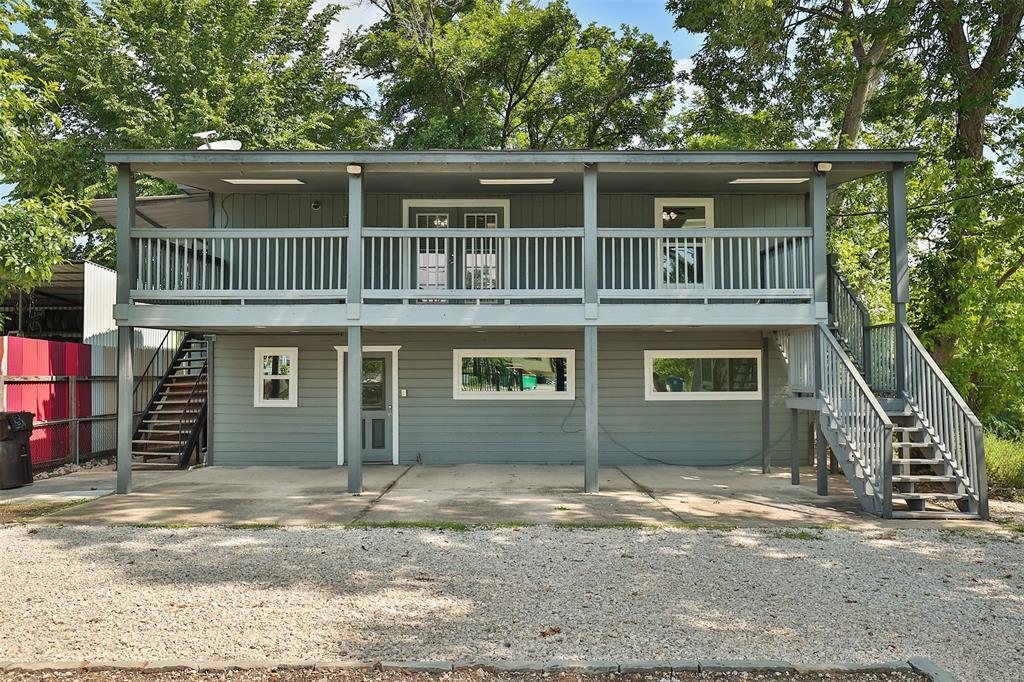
(71, 388)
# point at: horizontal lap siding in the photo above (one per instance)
(243, 434)
(436, 429)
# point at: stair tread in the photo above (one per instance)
(919, 460)
(929, 496)
(911, 444)
(948, 514)
(923, 478)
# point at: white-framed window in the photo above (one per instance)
(683, 260)
(513, 374)
(702, 374)
(276, 377)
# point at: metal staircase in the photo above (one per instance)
(909, 446)
(171, 430)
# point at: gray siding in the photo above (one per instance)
(435, 429)
(527, 210)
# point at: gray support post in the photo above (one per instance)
(354, 410)
(821, 468)
(822, 465)
(592, 460)
(125, 417)
(766, 405)
(819, 192)
(125, 335)
(354, 263)
(899, 267)
(590, 247)
(794, 449)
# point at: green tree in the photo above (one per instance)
(147, 74)
(474, 74)
(934, 75)
(33, 237)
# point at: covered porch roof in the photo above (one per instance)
(461, 171)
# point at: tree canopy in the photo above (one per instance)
(470, 74)
(893, 73)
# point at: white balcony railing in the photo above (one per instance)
(479, 265)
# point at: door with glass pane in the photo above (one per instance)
(469, 263)
(377, 408)
(684, 261)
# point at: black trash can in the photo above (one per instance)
(15, 452)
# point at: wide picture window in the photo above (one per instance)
(702, 375)
(276, 377)
(514, 374)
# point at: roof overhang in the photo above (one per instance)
(460, 171)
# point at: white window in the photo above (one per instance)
(702, 374)
(277, 376)
(514, 374)
(683, 260)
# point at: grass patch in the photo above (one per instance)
(1004, 460)
(699, 525)
(253, 526)
(1009, 524)
(802, 534)
(20, 512)
(169, 526)
(422, 525)
(597, 525)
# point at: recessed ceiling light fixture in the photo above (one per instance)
(767, 181)
(262, 181)
(517, 181)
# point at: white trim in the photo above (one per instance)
(261, 352)
(453, 203)
(707, 202)
(651, 394)
(394, 398)
(709, 222)
(570, 373)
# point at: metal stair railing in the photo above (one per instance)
(860, 423)
(148, 382)
(188, 443)
(165, 375)
(850, 318)
(950, 423)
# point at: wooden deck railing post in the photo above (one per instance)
(899, 267)
(818, 217)
(354, 410)
(590, 293)
(354, 262)
(592, 439)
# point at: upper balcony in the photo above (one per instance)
(486, 238)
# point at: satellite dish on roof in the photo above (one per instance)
(210, 141)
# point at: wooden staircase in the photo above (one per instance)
(171, 431)
(926, 483)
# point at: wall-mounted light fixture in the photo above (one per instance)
(354, 169)
(823, 166)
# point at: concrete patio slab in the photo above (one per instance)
(492, 494)
(90, 480)
(743, 496)
(288, 496)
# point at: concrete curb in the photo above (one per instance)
(920, 665)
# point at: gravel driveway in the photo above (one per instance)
(538, 593)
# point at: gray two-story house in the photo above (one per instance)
(594, 307)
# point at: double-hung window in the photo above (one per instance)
(277, 372)
(702, 374)
(514, 374)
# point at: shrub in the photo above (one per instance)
(1004, 460)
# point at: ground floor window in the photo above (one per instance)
(514, 374)
(702, 374)
(277, 372)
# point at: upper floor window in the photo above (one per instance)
(277, 371)
(684, 212)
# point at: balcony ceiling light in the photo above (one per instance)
(767, 181)
(517, 181)
(262, 181)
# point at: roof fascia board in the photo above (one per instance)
(306, 159)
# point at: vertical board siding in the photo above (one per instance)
(435, 429)
(237, 210)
